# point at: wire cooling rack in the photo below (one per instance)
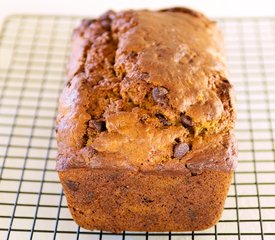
(33, 54)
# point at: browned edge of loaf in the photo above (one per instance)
(124, 200)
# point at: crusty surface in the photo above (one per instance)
(117, 63)
(127, 200)
(145, 123)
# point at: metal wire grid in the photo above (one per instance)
(33, 54)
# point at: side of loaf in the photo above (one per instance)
(145, 122)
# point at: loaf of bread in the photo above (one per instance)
(145, 122)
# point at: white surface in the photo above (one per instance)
(212, 8)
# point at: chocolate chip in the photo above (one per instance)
(132, 55)
(159, 94)
(147, 200)
(98, 125)
(68, 84)
(163, 119)
(144, 75)
(72, 185)
(180, 150)
(186, 121)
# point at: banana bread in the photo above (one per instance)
(145, 122)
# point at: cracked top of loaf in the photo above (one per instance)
(147, 90)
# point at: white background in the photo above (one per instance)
(212, 8)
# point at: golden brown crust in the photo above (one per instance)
(118, 61)
(147, 94)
